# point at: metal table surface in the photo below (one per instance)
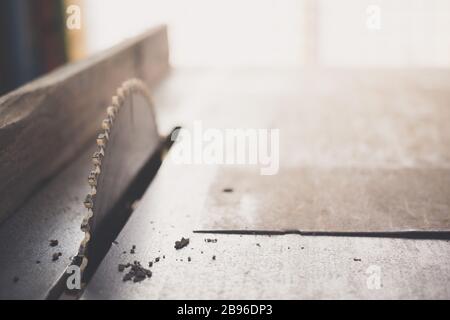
(371, 120)
(54, 213)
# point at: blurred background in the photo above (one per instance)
(34, 37)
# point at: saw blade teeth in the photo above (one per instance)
(126, 88)
(86, 239)
(102, 139)
(106, 125)
(122, 93)
(90, 214)
(132, 84)
(85, 225)
(97, 158)
(97, 170)
(111, 119)
(97, 161)
(129, 85)
(82, 249)
(89, 201)
(92, 179)
(112, 111)
(84, 263)
(116, 102)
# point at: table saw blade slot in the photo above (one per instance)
(125, 206)
(117, 218)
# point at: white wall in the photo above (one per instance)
(413, 33)
(205, 32)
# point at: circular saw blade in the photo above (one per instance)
(128, 139)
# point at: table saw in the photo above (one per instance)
(360, 207)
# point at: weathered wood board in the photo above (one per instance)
(46, 123)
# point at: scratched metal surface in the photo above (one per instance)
(333, 131)
(330, 200)
(360, 151)
(258, 266)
